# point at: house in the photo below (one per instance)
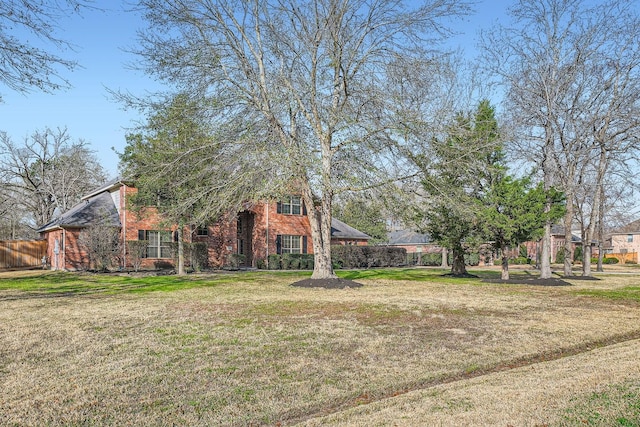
(261, 229)
(624, 243)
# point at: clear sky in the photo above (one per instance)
(101, 38)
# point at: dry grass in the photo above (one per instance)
(256, 351)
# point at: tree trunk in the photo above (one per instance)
(586, 259)
(445, 256)
(320, 221)
(180, 251)
(458, 267)
(568, 221)
(505, 264)
(545, 254)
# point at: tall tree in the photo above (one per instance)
(456, 172)
(25, 65)
(314, 82)
(48, 173)
(554, 64)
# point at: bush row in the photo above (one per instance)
(341, 257)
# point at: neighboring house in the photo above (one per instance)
(261, 229)
(412, 241)
(624, 243)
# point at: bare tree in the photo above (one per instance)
(25, 65)
(557, 65)
(101, 244)
(48, 172)
(316, 82)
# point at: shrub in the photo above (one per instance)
(274, 262)
(520, 261)
(288, 262)
(610, 260)
(367, 256)
(236, 260)
(560, 256)
(198, 255)
(136, 251)
(577, 254)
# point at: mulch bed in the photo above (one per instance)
(327, 283)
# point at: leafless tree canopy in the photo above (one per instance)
(46, 174)
(327, 82)
(572, 78)
(31, 49)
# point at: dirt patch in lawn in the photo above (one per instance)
(327, 283)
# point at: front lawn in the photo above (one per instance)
(248, 349)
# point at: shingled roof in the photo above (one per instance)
(408, 237)
(86, 213)
(340, 230)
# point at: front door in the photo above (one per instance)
(245, 233)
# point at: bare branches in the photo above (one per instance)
(47, 172)
(25, 64)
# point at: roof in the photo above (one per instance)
(340, 230)
(558, 230)
(107, 186)
(86, 213)
(408, 237)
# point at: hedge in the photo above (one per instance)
(341, 257)
(367, 256)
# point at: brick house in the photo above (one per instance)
(259, 230)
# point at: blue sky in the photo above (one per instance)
(87, 110)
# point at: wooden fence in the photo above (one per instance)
(22, 253)
(630, 257)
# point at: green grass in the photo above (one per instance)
(53, 283)
(628, 293)
(65, 283)
(617, 405)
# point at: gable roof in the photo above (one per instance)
(340, 230)
(107, 186)
(408, 237)
(86, 213)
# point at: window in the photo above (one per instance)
(287, 244)
(629, 238)
(202, 230)
(290, 206)
(291, 244)
(159, 243)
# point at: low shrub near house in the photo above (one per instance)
(288, 262)
(610, 260)
(342, 257)
(520, 261)
(199, 255)
(367, 256)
